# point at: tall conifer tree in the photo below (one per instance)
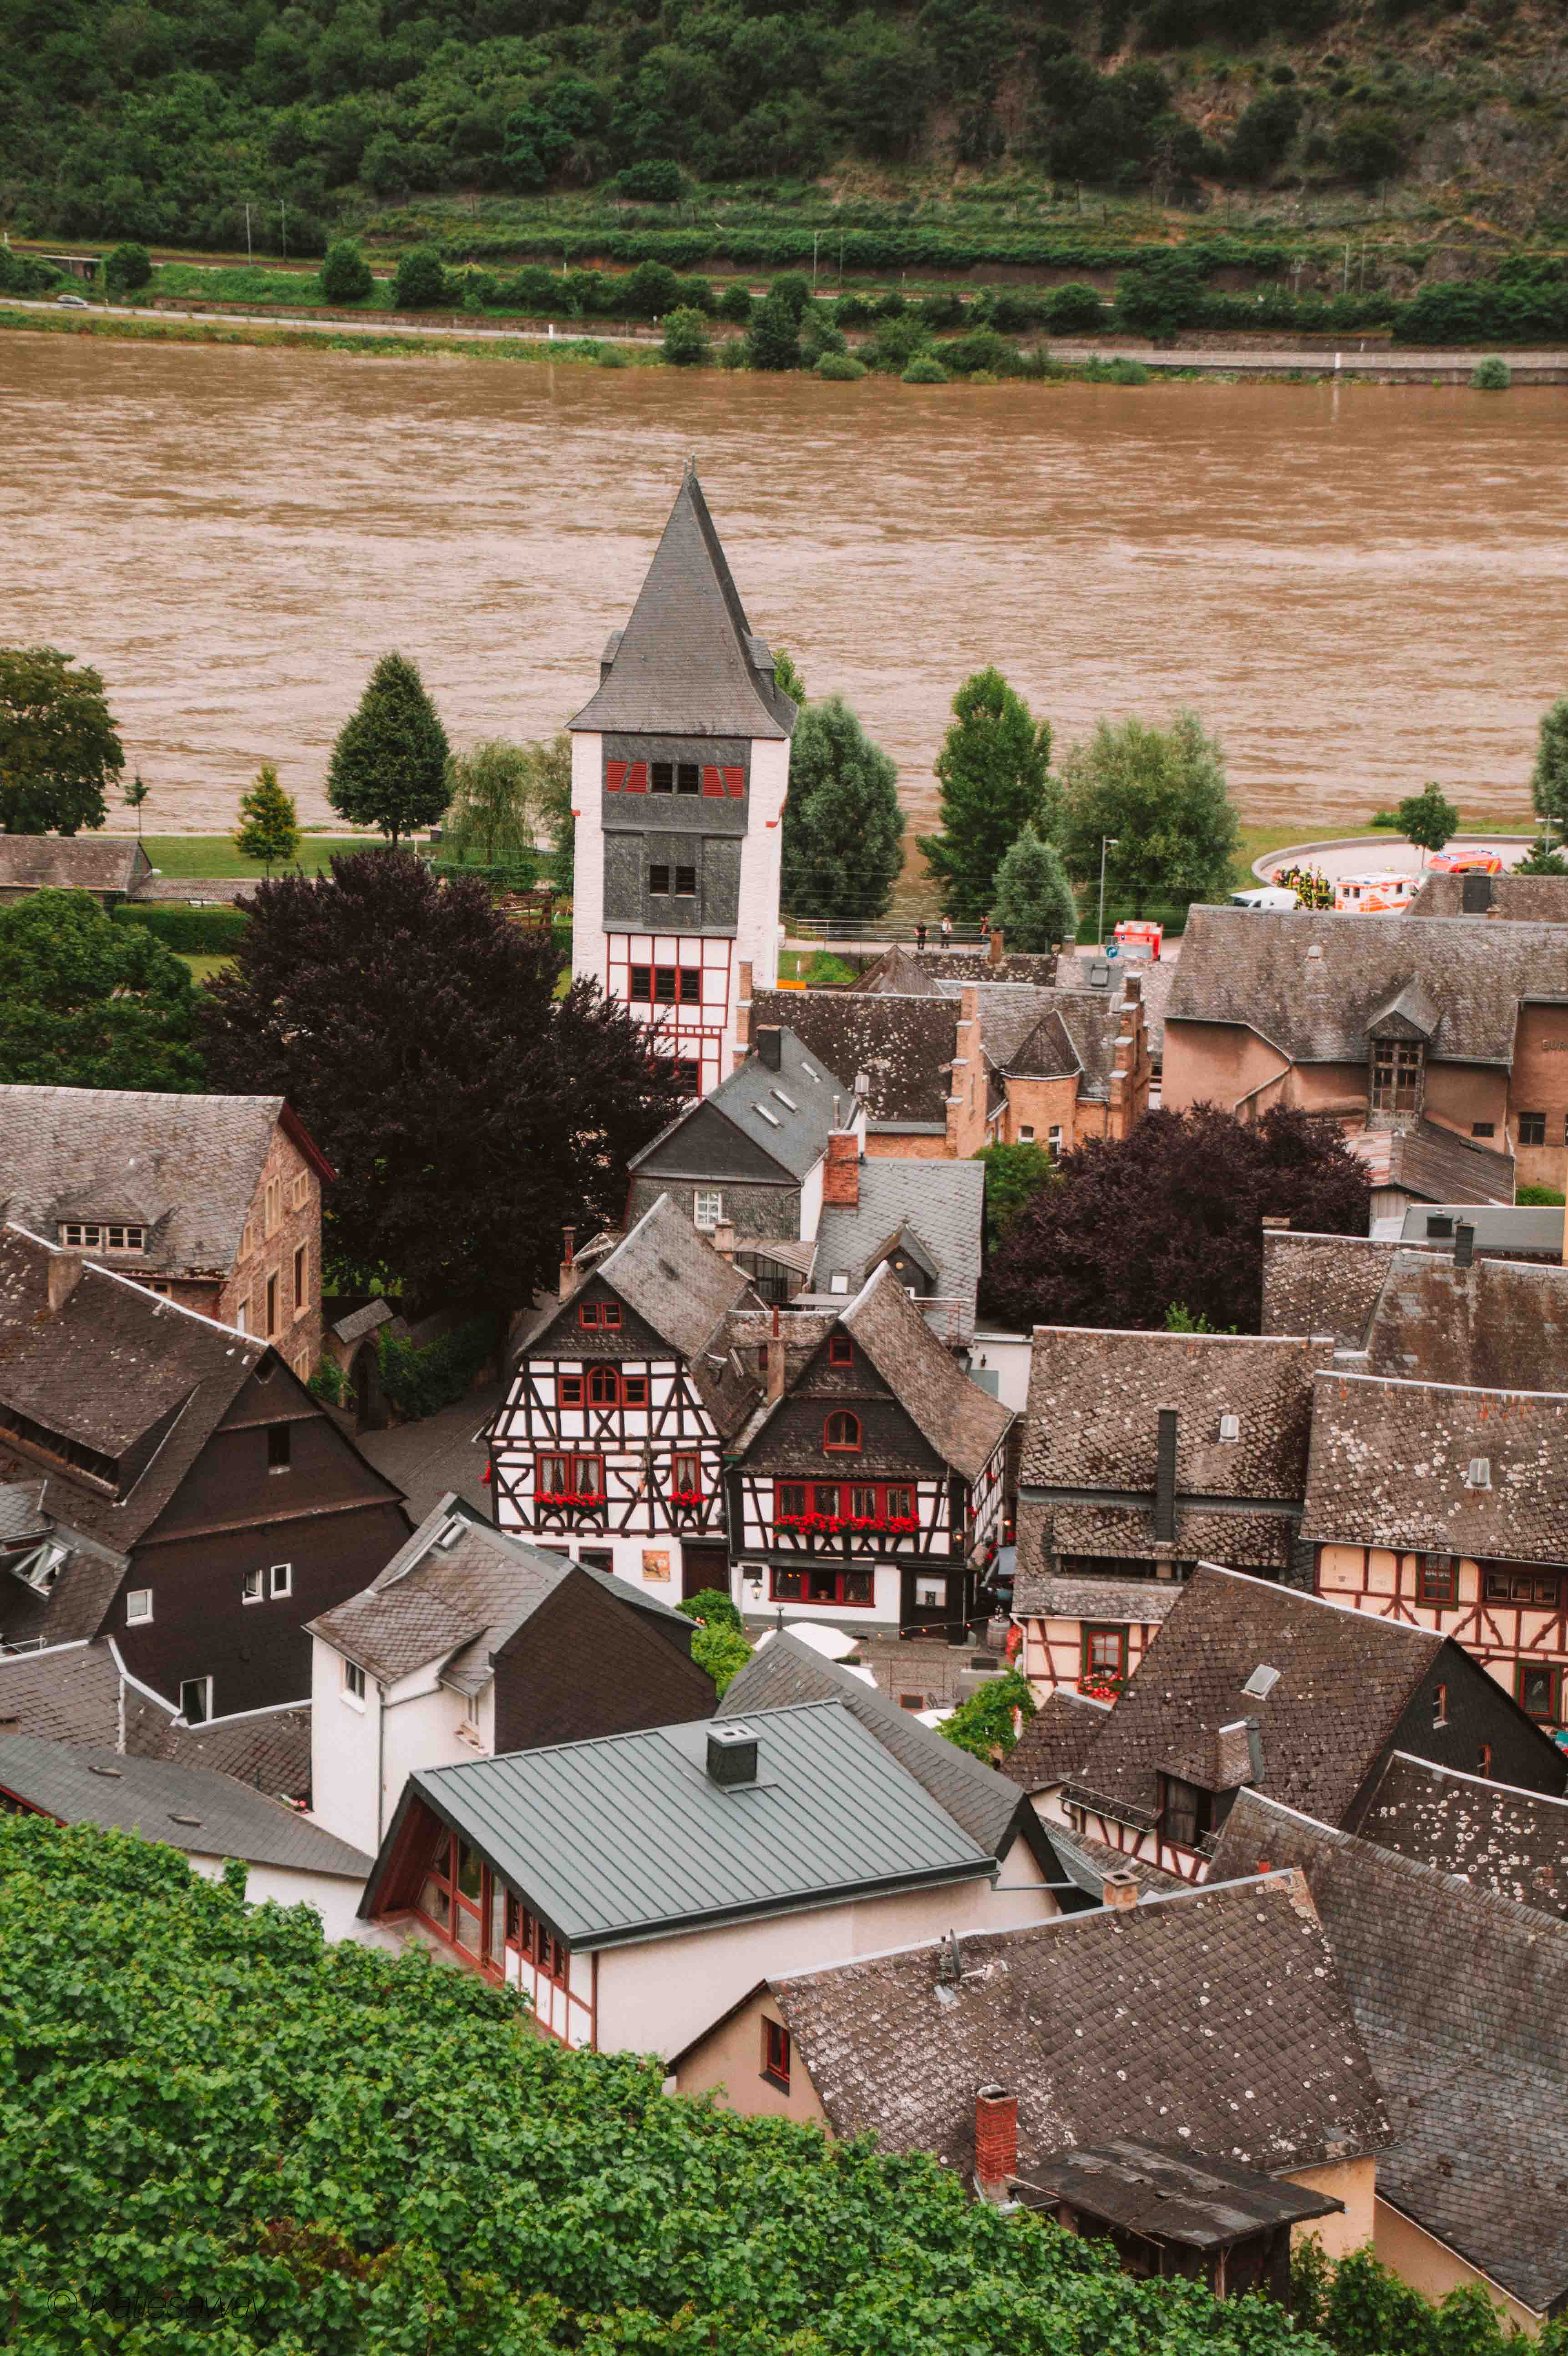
(389, 764)
(994, 770)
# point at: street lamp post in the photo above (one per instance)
(1108, 842)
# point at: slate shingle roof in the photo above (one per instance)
(786, 1114)
(1216, 2020)
(1260, 1541)
(941, 1205)
(1346, 1678)
(1511, 1842)
(674, 1279)
(905, 1045)
(1251, 969)
(186, 1167)
(687, 662)
(905, 970)
(80, 1694)
(1462, 2000)
(74, 862)
(1047, 1034)
(1322, 1284)
(1434, 1165)
(1055, 1742)
(1497, 1324)
(964, 1424)
(1390, 1463)
(1519, 899)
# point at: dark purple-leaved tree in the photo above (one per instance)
(1172, 1217)
(469, 1114)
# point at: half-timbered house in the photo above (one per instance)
(608, 1444)
(1250, 1686)
(872, 1488)
(1447, 1508)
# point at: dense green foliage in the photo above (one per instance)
(993, 770)
(389, 764)
(421, 1380)
(988, 1723)
(59, 753)
(345, 273)
(490, 816)
(220, 2134)
(843, 829)
(1035, 906)
(269, 829)
(1549, 772)
(1014, 1176)
(87, 1004)
(1428, 817)
(189, 932)
(1161, 794)
(720, 1644)
(1362, 2310)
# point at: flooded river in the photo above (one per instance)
(1362, 587)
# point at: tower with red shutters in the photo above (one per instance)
(679, 771)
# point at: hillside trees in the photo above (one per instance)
(60, 752)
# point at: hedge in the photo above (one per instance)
(421, 1382)
(779, 245)
(189, 932)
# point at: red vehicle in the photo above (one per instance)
(1140, 938)
(1465, 862)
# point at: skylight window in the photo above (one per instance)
(770, 1118)
(810, 1073)
(786, 1100)
(1229, 1427)
(1479, 1476)
(1261, 1682)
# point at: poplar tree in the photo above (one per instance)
(843, 839)
(389, 764)
(994, 770)
(1035, 905)
(270, 831)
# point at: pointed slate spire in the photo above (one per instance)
(688, 663)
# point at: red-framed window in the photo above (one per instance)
(842, 1584)
(686, 1478)
(840, 1350)
(827, 1508)
(464, 1902)
(1436, 1579)
(593, 1314)
(537, 1944)
(612, 1387)
(572, 1390)
(842, 1430)
(775, 2054)
(1538, 1688)
(1103, 1659)
(567, 1479)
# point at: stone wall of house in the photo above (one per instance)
(263, 1254)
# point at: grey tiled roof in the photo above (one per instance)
(1521, 899)
(1043, 1594)
(22, 1511)
(1515, 1231)
(940, 1204)
(186, 1167)
(963, 1423)
(1512, 1843)
(84, 1586)
(1244, 966)
(786, 1114)
(75, 862)
(1462, 1999)
(1049, 1033)
(1497, 1324)
(674, 1279)
(615, 1838)
(1346, 1678)
(1095, 1397)
(1090, 1862)
(1389, 1467)
(1216, 2020)
(782, 1671)
(1055, 1742)
(80, 1694)
(159, 1797)
(1322, 1284)
(905, 1045)
(686, 662)
(1432, 1165)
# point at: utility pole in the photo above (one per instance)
(1108, 842)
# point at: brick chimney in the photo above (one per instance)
(744, 1012)
(775, 1352)
(996, 2141)
(1463, 1244)
(770, 1045)
(65, 1275)
(997, 950)
(1120, 1888)
(724, 1239)
(841, 1171)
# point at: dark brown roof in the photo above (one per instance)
(1171, 2196)
(1431, 1165)
(687, 662)
(1241, 966)
(905, 1045)
(1215, 2020)
(1497, 1325)
(79, 1693)
(1511, 1842)
(1462, 1999)
(1345, 1679)
(1259, 1541)
(963, 1423)
(1092, 1417)
(1391, 1466)
(1322, 1284)
(76, 862)
(1523, 899)
(1055, 1742)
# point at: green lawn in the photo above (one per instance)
(214, 854)
(203, 968)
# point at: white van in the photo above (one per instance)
(1267, 896)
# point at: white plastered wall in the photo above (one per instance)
(333, 1896)
(588, 858)
(415, 1722)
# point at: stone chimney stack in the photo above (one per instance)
(996, 947)
(841, 1171)
(770, 1045)
(568, 1281)
(65, 1275)
(1120, 1888)
(775, 1349)
(996, 2141)
(724, 1239)
(1463, 1244)
(744, 1012)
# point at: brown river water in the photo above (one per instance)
(1360, 587)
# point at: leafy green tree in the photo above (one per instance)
(59, 750)
(133, 796)
(88, 1004)
(389, 764)
(551, 798)
(986, 1724)
(344, 275)
(1428, 818)
(735, 303)
(270, 831)
(720, 1644)
(126, 269)
(490, 816)
(843, 830)
(1543, 858)
(1161, 794)
(1263, 137)
(686, 343)
(1368, 147)
(1549, 776)
(993, 771)
(1035, 906)
(1014, 1176)
(773, 338)
(420, 281)
(788, 678)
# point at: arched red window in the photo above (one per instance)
(603, 1387)
(842, 1430)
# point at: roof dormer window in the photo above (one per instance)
(77, 1236)
(1396, 1076)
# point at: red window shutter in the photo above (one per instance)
(637, 777)
(615, 776)
(734, 783)
(712, 781)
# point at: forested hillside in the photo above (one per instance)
(121, 120)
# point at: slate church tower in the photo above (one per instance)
(679, 770)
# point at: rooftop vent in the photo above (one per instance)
(1463, 1244)
(732, 1754)
(1229, 1427)
(789, 1102)
(1479, 1476)
(176, 1819)
(810, 1074)
(451, 1534)
(770, 1118)
(1440, 1223)
(1261, 1682)
(114, 1774)
(1316, 950)
(1099, 974)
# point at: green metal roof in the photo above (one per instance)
(627, 1836)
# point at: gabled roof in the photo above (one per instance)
(905, 1046)
(1391, 1466)
(615, 1839)
(1346, 1680)
(74, 862)
(1258, 969)
(786, 1114)
(1215, 2020)
(964, 1424)
(1322, 1284)
(1049, 1033)
(1495, 1324)
(1521, 899)
(1055, 1742)
(673, 1278)
(687, 662)
(1462, 1999)
(81, 1693)
(455, 1593)
(1510, 1842)
(1432, 1165)
(938, 1207)
(186, 1167)
(783, 1672)
(186, 1807)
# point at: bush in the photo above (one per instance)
(421, 1382)
(720, 1644)
(840, 368)
(982, 349)
(984, 1724)
(20, 274)
(773, 340)
(1163, 292)
(686, 339)
(345, 274)
(826, 971)
(189, 932)
(420, 281)
(925, 369)
(657, 182)
(1262, 138)
(897, 342)
(1075, 307)
(1369, 145)
(1491, 376)
(611, 356)
(126, 269)
(1543, 1197)
(735, 303)
(647, 291)
(711, 1606)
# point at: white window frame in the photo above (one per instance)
(280, 1580)
(1026, 1134)
(1053, 1138)
(138, 1607)
(707, 1209)
(186, 1683)
(353, 1686)
(254, 1587)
